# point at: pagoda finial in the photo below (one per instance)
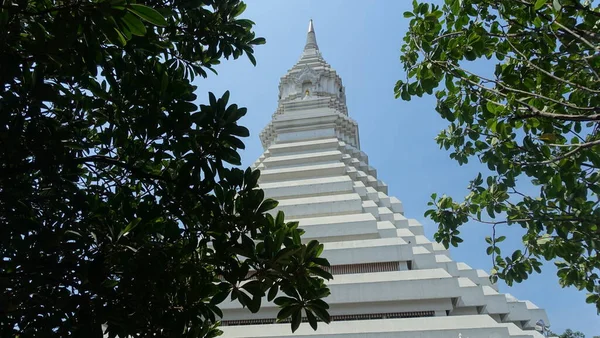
(311, 39)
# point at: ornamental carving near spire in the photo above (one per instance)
(307, 74)
(311, 77)
(311, 85)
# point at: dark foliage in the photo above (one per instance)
(533, 120)
(117, 209)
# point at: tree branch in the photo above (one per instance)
(565, 155)
(447, 35)
(596, 48)
(45, 11)
(535, 111)
(117, 163)
(526, 59)
(498, 83)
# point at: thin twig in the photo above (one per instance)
(498, 83)
(565, 155)
(115, 162)
(535, 111)
(596, 48)
(447, 35)
(526, 59)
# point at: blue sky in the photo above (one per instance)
(361, 41)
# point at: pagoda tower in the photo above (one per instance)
(389, 279)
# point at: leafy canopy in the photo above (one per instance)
(118, 210)
(533, 119)
(570, 334)
(567, 334)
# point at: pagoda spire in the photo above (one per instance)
(311, 38)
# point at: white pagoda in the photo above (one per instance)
(389, 280)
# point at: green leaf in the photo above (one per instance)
(279, 220)
(241, 7)
(556, 5)
(130, 227)
(148, 14)
(592, 298)
(251, 58)
(283, 301)
(219, 297)
(491, 106)
(136, 27)
(258, 41)
(254, 304)
(273, 292)
(320, 261)
(268, 204)
(311, 319)
(233, 115)
(286, 311)
(231, 156)
(285, 253)
(234, 142)
(296, 237)
(296, 319)
(548, 137)
(320, 272)
(254, 287)
(312, 246)
(405, 95)
(115, 36)
(185, 106)
(539, 4)
(238, 131)
(320, 312)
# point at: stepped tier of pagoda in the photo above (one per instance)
(389, 279)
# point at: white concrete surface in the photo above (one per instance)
(314, 166)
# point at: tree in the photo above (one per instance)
(532, 118)
(118, 207)
(567, 334)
